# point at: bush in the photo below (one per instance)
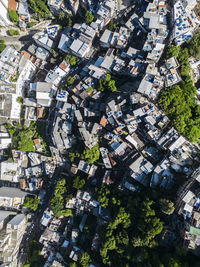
(13, 16)
(13, 32)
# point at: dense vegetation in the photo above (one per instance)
(34, 257)
(72, 60)
(132, 236)
(179, 101)
(112, 25)
(23, 136)
(13, 16)
(2, 45)
(89, 17)
(65, 19)
(32, 202)
(58, 201)
(40, 8)
(90, 155)
(107, 84)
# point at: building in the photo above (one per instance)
(79, 48)
(42, 39)
(11, 197)
(11, 236)
(9, 171)
(4, 16)
(44, 93)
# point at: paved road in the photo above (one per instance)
(20, 40)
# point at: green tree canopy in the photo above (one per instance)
(85, 259)
(91, 154)
(78, 183)
(72, 60)
(166, 206)
(13, 16)
(32, 202)
(88, 17)
(2, 45)
(107, 84)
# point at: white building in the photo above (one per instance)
(11, 236)
(9, 171)
(4, 15)
(43, 40)
(11, 197)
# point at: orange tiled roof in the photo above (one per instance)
(40, 112)
(36, 141)
(103, 122)
(26, 54)
(12, 5)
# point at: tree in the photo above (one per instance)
(34, 258)
(173, 262)
(32, 202)
(104, 195)
(91, 154)
(39, 7)
(112, 26)
(85, 259)
(57, 202)
(122, 218)
(193, 133)
(137, 242)
(57, 206)
(20, 100)
(111, 86)
(13, 16)
(89, 17)
(70, 81)
(78, 183)
(67, 213)
(69, 20)
(166, 206)
(72, 60)
(61, 15)
(107, 84)
(172, 51)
